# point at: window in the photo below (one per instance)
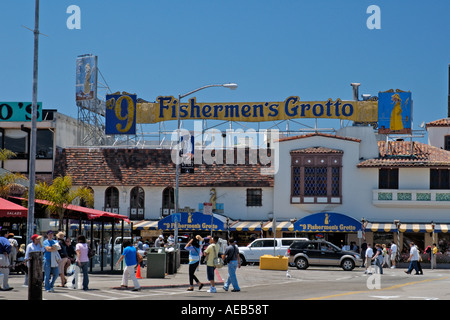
(447, 143)
(112, 199)
(439, 179)
(137, 198)
(44, 144)
(316, 177)
(168, 201)
(388, 179)
(254, 197)
(17, 142)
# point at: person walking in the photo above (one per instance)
(414, 258)
(51, 258)
(233, 261)
(64, 257)
(378, 258)
(14, 250)
(33, 246)
(363, 254)
(193, 246)
(393, 254)
(386, 259)
(129, 254)
(211, 253)
(368, 260)
(82, 250)
(5, 250)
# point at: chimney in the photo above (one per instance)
(356, 90)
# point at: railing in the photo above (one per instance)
(412, 198)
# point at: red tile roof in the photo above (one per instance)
(408, 154)
(151, 167)
(326, 135)
(439, 123)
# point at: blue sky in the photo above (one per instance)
(271, 49)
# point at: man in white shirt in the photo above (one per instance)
(413, 257)
(368, 262)
(393, 254)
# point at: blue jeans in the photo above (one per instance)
(48, 271)
(232, 266)
(414, 265)
(84, 268)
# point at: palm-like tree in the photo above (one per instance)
(61, 193)
(8, 180)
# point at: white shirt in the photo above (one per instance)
(369, 252)
(414, 253)
(393, 248)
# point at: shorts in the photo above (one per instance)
(210, 273)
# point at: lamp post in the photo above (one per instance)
(231, 86)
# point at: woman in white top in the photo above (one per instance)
(82, 263)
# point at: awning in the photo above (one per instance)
(246, 226)
(90, 213)
(281, 226)
(145, 225)
(193, 221)
(9, 209)
(327, 222)
(380, 227)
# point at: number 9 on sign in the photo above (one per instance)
(120, 114)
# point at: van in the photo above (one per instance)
(263, 246)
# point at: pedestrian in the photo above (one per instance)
(418, 261)
(363, 254)
(393, 254)
(82, 261)
(34, 246)
(434, 252)
(171, 240)
(159, 241)
(378, 258)
(51, 258)
(386, 259)
(231, 257)
(64, 257)
(5, 250)
(193, 246)
(71, 256)
(129, 254)
(14, 250)
(368, 259)
(413, 258)
(211, 253)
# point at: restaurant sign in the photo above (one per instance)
(191, 221)
(327, 222)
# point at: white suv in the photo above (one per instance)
(260, 247)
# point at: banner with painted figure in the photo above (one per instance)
(120, 116)
(394, 112)
(165, 109)
(86, 78)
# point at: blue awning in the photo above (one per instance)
(327, 222)
(193, 221)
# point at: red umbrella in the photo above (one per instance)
(11, 210)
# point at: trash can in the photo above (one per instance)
(170, 261)
(156, 263)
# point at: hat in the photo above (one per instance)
(49, 231)
(161, 236)
(35, 236)
(60, 234)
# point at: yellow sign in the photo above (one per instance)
(165, 109)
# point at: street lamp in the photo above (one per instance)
(232, 86)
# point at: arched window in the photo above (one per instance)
(112, 200)
(168, 201)
(83, 203)
(137, 197)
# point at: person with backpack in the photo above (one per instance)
(193, 246)
(231, 257)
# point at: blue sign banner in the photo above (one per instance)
(120, 116)
(192, 221)
(327, 222)
(394, 112)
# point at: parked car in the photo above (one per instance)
(321, 253)
(263, 246)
